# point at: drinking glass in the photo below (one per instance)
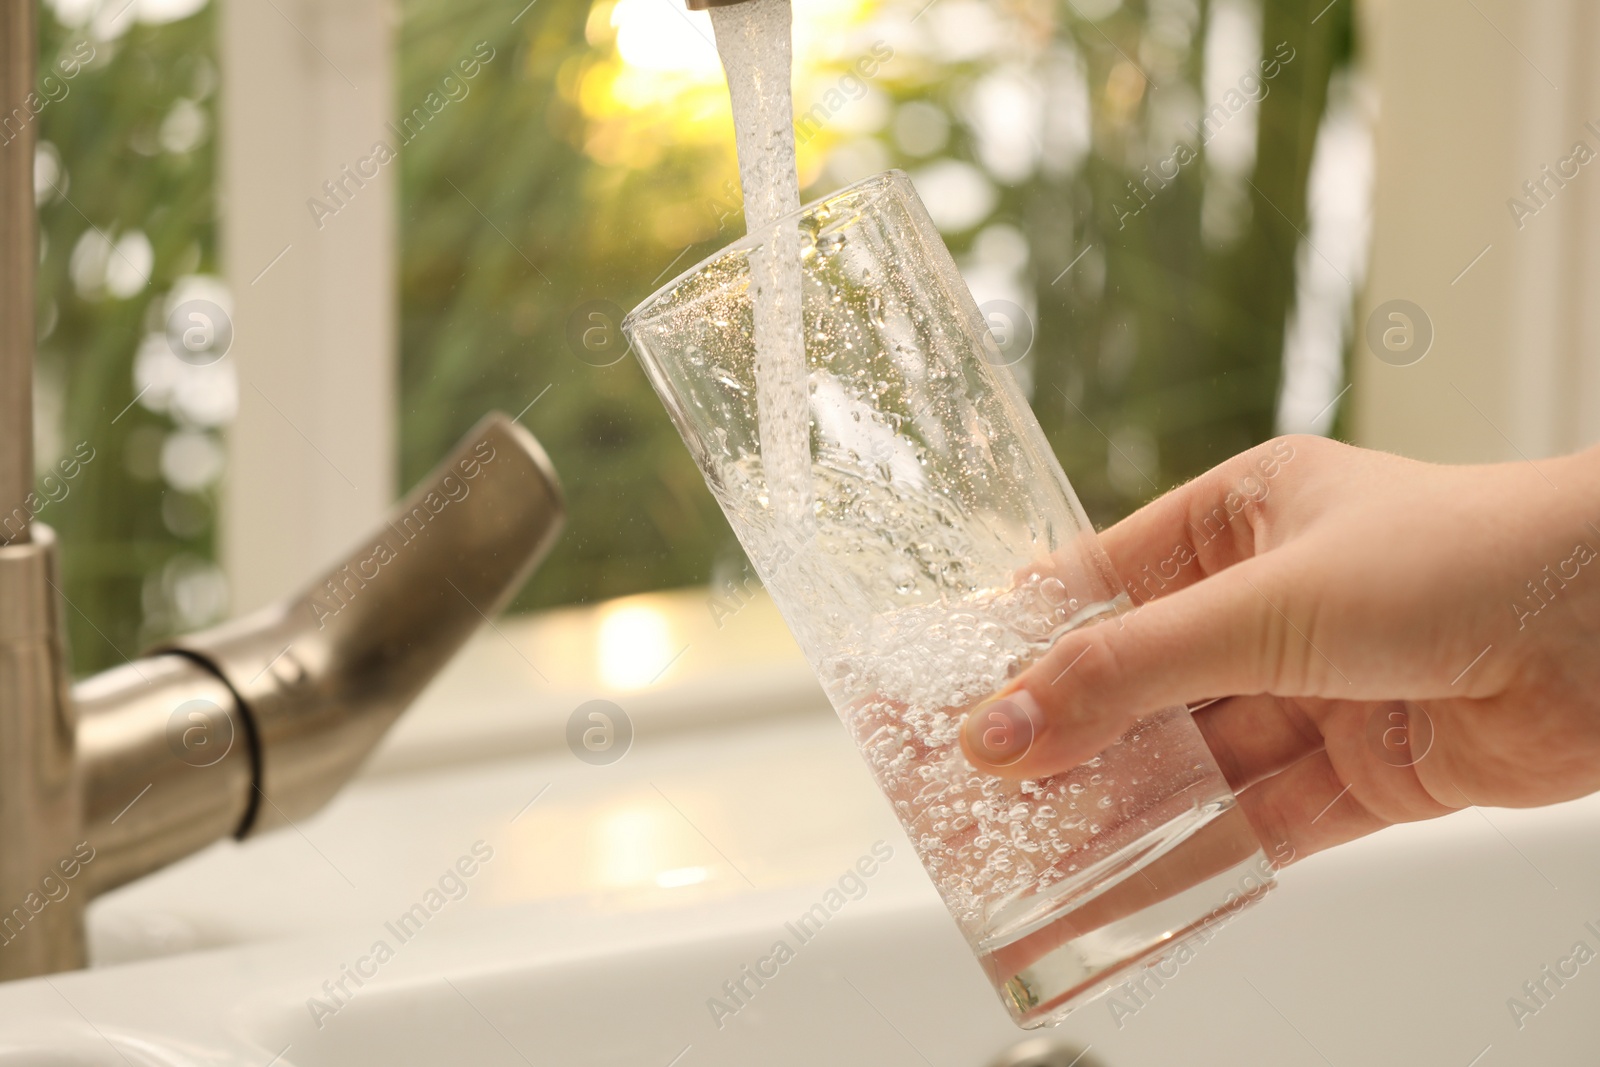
(934, 552)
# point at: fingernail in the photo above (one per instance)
(1000, 732)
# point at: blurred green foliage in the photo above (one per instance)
(1183, 342)
(486, 298)
(117, 171)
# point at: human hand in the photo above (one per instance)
(1391, 640)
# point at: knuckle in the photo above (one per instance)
(1093, 676)
(1286, 645)
(1071, 693)
(1222, 750)
(1270, 821)
(1273, 648)
(1292, 445)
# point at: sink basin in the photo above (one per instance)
(537, 909)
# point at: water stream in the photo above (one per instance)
(753, 39)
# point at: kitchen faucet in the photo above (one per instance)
(244, 727)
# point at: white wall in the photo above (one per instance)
(308, 86)
(1475, 97)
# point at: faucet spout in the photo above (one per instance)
(322, 676)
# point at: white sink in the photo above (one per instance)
(620, 902)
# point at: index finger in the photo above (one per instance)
(1198, 529)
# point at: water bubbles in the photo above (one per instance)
(828, 244)
(916, 666)
(903, 577)
(1053, 591)
(875, 310)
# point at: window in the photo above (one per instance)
(1160, 205)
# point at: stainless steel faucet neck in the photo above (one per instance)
(40, 800)
(41, 806)
(18, 261)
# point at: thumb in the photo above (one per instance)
(1219, 637)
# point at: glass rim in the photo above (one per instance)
(647, 309)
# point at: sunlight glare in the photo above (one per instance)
(635, 644)
(681, 876)
(664, 38)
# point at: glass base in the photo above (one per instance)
(1146, 901)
